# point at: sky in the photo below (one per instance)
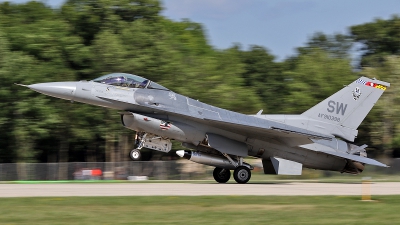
(279, 25)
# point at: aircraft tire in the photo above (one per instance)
(221, 175)
(242, 174)
(135, 154)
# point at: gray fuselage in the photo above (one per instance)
(169, 106)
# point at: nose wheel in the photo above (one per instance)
(242, 174)
(135, 154)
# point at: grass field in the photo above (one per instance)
(200, 210)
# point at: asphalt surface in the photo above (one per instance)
(191, 189)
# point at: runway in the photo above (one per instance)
(195, 189)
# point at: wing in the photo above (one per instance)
(252, 127)
(254, 130)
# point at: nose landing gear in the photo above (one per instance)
(150, 141)
(135, 154)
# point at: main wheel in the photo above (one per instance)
(221, 175)
(242, 174)
(135, 154)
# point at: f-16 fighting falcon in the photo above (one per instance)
(320, 138)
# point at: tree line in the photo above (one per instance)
(83, 40)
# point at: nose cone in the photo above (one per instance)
(181, 153)
(184, 154)
(64, 90)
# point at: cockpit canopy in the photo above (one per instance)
(128, 80)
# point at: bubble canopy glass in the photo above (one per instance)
(128, 80)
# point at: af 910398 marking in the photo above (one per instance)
(329, 117)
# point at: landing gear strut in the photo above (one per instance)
(221, 175)
(135, 154)
(242, 173)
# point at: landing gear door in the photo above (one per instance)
(226, 145)
(157, 143)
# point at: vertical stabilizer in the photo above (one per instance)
(347, 108)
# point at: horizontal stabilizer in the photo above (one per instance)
(361, 159)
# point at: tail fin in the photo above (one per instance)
(347, 108)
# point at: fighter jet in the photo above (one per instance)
(320, 138)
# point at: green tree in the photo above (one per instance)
(315, 77)
(88, 18)
(23, 121)
(337, 46)
(384, 124)
(264, 76)
(86, 39)
(377, 40)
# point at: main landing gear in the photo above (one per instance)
(241, 173)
